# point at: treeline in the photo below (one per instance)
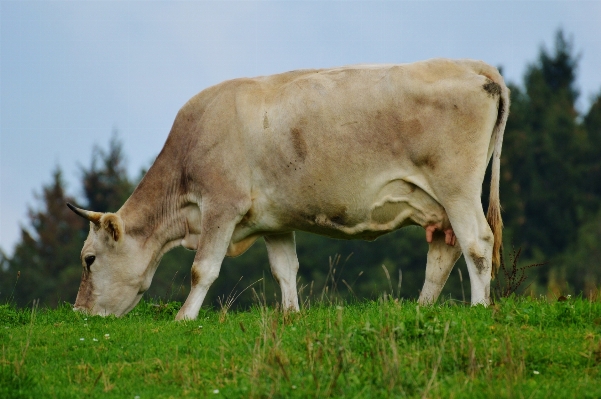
(550, 191)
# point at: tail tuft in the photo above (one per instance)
(493, 217)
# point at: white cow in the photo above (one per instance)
(352, 152)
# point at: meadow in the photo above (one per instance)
(520, 347)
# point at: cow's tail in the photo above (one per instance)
(493, 215)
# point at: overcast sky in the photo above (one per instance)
(72, 72)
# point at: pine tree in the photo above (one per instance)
(47, 256)
(106, 184)
(592, 172)
(7, 278)
(543, 153)
(580, 262)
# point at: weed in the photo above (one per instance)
(330, 294)
(511, 279)
(389, 282)
(225, 304)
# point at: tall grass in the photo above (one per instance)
(519, 347)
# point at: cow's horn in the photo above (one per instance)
(93, 217)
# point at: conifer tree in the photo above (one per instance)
(592, 172)
(47, 256)
(580, 262)
(543, 153)
(106, 184)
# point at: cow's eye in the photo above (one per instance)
(89, 260)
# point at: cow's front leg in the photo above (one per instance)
(212, 247)
(281, 249)
(442, 256)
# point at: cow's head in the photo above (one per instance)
(114, 266)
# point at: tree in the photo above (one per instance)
(106, 187)
(592, 170)
(543, 156)
(579, 263)
(47, 256)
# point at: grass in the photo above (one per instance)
(520, 347)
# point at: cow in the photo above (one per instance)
(352, 153)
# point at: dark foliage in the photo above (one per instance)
(510, 279)
(106, 185)
(46, 260)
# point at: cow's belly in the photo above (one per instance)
(369, 215)
(362, 215)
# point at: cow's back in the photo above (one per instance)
(310, 143)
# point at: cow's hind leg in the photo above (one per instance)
(217, 230)
(281, 249)
(476, 240)
(441, 259)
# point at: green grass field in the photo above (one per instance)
(522, 348)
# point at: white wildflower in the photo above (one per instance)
(81, 339)
(215, 391)
(94, 339)
(535, 372)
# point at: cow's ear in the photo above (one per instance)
(114, 225)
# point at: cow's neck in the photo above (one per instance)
(156, 213)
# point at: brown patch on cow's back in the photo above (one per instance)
(400, 135)
(265, 121)
(298, 142)
(492, 88)
(412, 127)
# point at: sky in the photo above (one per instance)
(73, 72)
